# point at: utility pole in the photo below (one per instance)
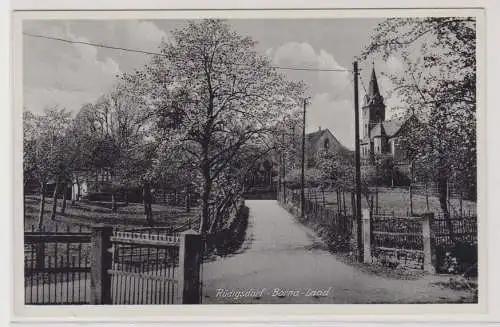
(302, 174)
(359, 222)
(283, 178)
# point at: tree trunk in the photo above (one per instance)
(78, 190)
(113, 201)
(343, 203)
(443, 201)
(427, 196)
(146, 199)
(207, 188)
(353, 204)
(65, 191)
(42, 207)
(54, 204)
(339, 201)
(40, 247)
(188, 198)
(411, 199)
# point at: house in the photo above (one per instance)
(87, 182)
(381, 136)
(320, 141)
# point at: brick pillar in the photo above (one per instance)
(190, 258)
(101, 262)
(429, 243)
(367, 236)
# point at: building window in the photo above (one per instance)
(326, 144)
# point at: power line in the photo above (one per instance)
(163, 55)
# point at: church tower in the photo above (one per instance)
(374, 107)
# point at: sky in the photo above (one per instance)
(69, 75)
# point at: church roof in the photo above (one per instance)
(373, 89)
(387, 127)
(373, 93)
(392, 126)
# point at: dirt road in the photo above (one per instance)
(284, 262)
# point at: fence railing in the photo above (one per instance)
(107, 266)
(415, 242)
(418, 242)
(448, 231)
(337, 222)
(57, 268)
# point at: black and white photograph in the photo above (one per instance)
(328, 160)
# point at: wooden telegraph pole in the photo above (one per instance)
(302, 173)
(359, 241)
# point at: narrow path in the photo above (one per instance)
(282, 263)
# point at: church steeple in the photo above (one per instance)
(374, 108)
(373, 90)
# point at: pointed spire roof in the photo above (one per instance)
(373, 90)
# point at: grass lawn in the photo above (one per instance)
(87, 213)
(397, 200)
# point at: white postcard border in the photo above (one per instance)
(253, 312)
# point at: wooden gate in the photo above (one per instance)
(152, 267)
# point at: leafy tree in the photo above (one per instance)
(214, 94)
(438, 85)
(116, 129)
(45, 153)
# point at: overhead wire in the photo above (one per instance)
(112, 47)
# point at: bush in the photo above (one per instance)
(461, 258)
(231, 238)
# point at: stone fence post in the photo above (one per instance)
(429, 243)
(367, 236)
(101, 261)
(190, 258)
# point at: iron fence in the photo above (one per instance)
(57, 267)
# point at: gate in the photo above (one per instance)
(106, 266)
(152, 267)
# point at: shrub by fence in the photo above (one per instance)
(335, 227)
(230, 237)
(456, 251)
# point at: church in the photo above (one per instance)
(380, 136)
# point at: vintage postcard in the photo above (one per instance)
(171, 159)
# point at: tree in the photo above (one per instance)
(439, 86)
(45, 153)
(115, 130)
(214, 94)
